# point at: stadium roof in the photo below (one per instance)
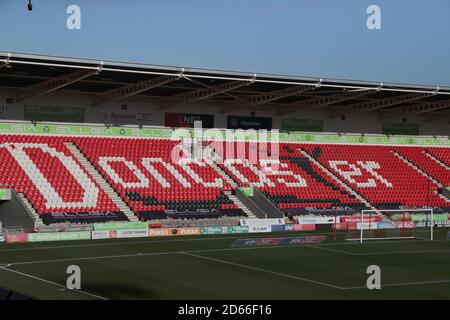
(106, 81)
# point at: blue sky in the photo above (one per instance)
(326, 38)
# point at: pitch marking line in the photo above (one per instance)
(322, 247)
(403, 252)
(193, 253)
(202, 239)
(140, 254)
(124, 243)
(156, 241)
(401, 284)
(310, 280)
(332, 250)
(6, 268)
(262, 270)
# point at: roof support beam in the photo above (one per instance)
(267, 97)
(132, 89)
(54, 84)
(417, 109)
(5, 62)
(323, 101)
(358, 108)
(201, 94)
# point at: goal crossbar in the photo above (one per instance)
(367, 212)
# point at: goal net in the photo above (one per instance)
(392, 224)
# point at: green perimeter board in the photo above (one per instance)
(5, 194)
(295, 137)
(54, 113)
(307, 125)
(394, 128)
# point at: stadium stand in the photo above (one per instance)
(301, 179)
(66, 167)
(440, 155)
(432, 168)
(293, 182)
(142, 172)
(57, 186)
(380, 175)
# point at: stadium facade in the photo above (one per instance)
(87, 141)
(35, 88)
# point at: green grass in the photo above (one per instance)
(208, 268)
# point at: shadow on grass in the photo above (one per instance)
(10, 295)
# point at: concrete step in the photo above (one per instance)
(441, 196)
(241, 206)
(37, 218)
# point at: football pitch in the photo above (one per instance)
(208, 267)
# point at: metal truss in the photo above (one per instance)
(323, 101)
(132, 89)
(414, 110)
(6, 61)
(362, 107)
(268, 97)
(201, 94)
(50, 85)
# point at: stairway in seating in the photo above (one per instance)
(27, 204)
(224, 176)
(102, 182)
(436, 159)
(241, 206)
(411, 164)
(348, 188)
(214, 155)
(231, 182)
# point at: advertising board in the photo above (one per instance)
(95, 235)
(261, 222)
(299, 227)
(147, 132)
(224, 230)
(316, 220)
(282, 241)
(59, 236)
(277, 228)
(16, 238)
(187, 120)
(118, 118)
(54, 113)
(400, 128)
(5, 194)
(120, 226)
(132, 233)
(257, 123)
(306, 125)
(259, 228)
(357, 218)
(166, 232)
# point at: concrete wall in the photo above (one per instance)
(14, 214)
(363, 123)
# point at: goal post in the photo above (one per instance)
(393, 224)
